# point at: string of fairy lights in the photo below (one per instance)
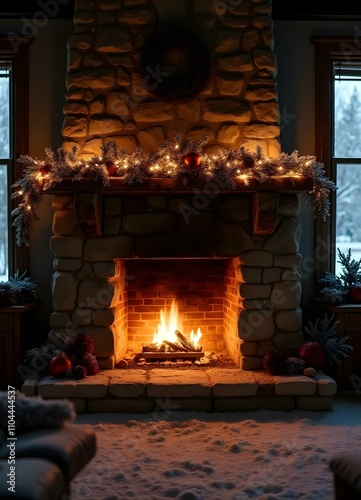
(182, 159)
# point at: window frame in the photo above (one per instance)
(18, 53)
(327, 51)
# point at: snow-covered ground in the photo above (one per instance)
(265, 455)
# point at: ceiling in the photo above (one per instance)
(281, 10)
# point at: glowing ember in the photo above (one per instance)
(170, 323)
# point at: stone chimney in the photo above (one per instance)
(110, 94)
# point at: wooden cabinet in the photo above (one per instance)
(348, 372)
(17, 335)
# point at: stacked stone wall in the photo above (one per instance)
(107, 99)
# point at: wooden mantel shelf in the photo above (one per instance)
(165, 185)
(87, 195)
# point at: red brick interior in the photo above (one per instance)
(205, 291)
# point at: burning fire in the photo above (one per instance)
(170, 323)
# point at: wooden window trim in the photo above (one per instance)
(328, 50)
(19, 55)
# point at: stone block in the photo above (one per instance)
(79, 405)
(253, 403)
(94, 386)
(286, 295)
(165, 383)
(29, 387)
(265, 382)
(127, 383)
(326, 386)
(107, 249)
(252, 363)
(67, 247)
(120, 405)
(294, 386)
(103, 340)
(256, 325)
(231, 382)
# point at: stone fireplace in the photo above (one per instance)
(122, 255)
(241, 289)
(227, 254)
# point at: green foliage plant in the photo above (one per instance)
(336, 288)
(19, 289)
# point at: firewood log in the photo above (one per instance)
(174, 346)
(186, 343)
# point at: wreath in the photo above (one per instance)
(175, 65)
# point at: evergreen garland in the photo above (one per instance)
(227, 165)
(335, 289)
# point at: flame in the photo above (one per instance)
(196, 337)
(169, 322)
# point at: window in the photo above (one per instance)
(5, 163)
(338, 144)
(13, 143)
(347, 156)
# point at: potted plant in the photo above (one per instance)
(347, 285)
(20, 289)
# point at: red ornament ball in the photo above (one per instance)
(45, 169)
(111, 168)
(248, 162)
(58, 365)
(192, 160)
(313, 353)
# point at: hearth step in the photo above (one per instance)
(167, 389)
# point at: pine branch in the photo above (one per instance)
(324, 330)
(166, 162)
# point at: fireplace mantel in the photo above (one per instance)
(174, 186)
(87, 195)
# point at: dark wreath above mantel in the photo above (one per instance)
(176, 65)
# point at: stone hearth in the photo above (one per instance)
(164, 389)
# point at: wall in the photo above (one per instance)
(296, 96)
(295, 57)
(135, 92)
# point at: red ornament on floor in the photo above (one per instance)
(192, 160)
(58, 365)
